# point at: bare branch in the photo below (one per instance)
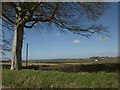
(36, 6)
(30, 25)
(7, 18)
(87, 32)
(45, 19)
(12, 4)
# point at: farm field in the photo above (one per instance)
(66, 61)
(63, 74)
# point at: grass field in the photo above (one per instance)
(57, 79)
(64, 74)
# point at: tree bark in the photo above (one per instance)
(17, 47)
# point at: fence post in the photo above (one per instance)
(27, 55)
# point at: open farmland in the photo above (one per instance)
(66, 61)
(63, 74)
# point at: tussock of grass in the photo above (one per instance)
(57, 79)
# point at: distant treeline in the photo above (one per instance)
(64, 59)
(98, 57)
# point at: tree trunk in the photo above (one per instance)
(17, 47)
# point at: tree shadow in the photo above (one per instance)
(106, 67)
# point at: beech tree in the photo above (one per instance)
(67, 15)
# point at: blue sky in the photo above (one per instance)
(53, 43)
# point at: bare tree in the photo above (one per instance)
(66, 15)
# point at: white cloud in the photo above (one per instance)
(103, 38)
(76, 41)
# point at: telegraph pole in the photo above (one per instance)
(27, 55)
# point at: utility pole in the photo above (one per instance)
(27, 55)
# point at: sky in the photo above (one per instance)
(52, 43)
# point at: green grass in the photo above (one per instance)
(57, 79)
(107, 78)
